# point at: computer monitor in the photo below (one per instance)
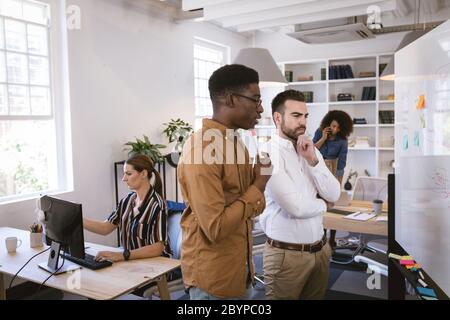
(64, 230)
(64, 224)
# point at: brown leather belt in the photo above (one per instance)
(309, 247)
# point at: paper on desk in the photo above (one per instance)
(360, 216)
(382, 218)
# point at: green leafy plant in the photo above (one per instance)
(144, 146)
(178, 130)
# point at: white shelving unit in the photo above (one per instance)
(378, 158)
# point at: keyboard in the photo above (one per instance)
(88, 261)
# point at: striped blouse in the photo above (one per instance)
(145, 227)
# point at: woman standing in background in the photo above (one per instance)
(331, 140)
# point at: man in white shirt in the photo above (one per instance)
(301, 189)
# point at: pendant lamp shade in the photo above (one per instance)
(262, 61)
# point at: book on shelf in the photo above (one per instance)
(288, 75)
(361, 142)
(359, 121)
(309, 96)
(340, 72)
(305, 78)
(348, 71)
(366, 74)
(323, 74)
(386, 116)
(368, 93)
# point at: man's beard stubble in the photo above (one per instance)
(290, 133)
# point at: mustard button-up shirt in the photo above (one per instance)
(217, 239)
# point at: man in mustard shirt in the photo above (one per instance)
(222, 191)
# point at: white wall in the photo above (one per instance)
(131, 69)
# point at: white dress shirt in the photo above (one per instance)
(293, 212)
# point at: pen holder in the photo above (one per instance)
(36, 240)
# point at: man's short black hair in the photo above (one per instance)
(231, 78)
(282, 97)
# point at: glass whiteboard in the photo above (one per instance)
(422, 152)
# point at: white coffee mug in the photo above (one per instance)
(377, 206)
(12, 243)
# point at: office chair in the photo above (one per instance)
(370, 188)
(174, 230)
(373, 253)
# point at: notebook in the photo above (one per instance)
(361, 215)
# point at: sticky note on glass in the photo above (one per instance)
(422, 121)
(407, 262)
(413, 267)
(420, 102)
(416, 139)
(407, 258)
(395, 256)
(426, 292)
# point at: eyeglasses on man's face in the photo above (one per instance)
(258, 101)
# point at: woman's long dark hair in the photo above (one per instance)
(140, 163)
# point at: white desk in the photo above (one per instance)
(108, 283)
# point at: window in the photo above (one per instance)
(30, 160)
(208, 57)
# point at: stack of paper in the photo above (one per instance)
(361, 215)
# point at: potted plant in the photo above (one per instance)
(144, 146)
(177, 131)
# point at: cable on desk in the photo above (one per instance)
(56, 271)
(12, 280)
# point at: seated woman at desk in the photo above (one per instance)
(331, 140)
(141, 216)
